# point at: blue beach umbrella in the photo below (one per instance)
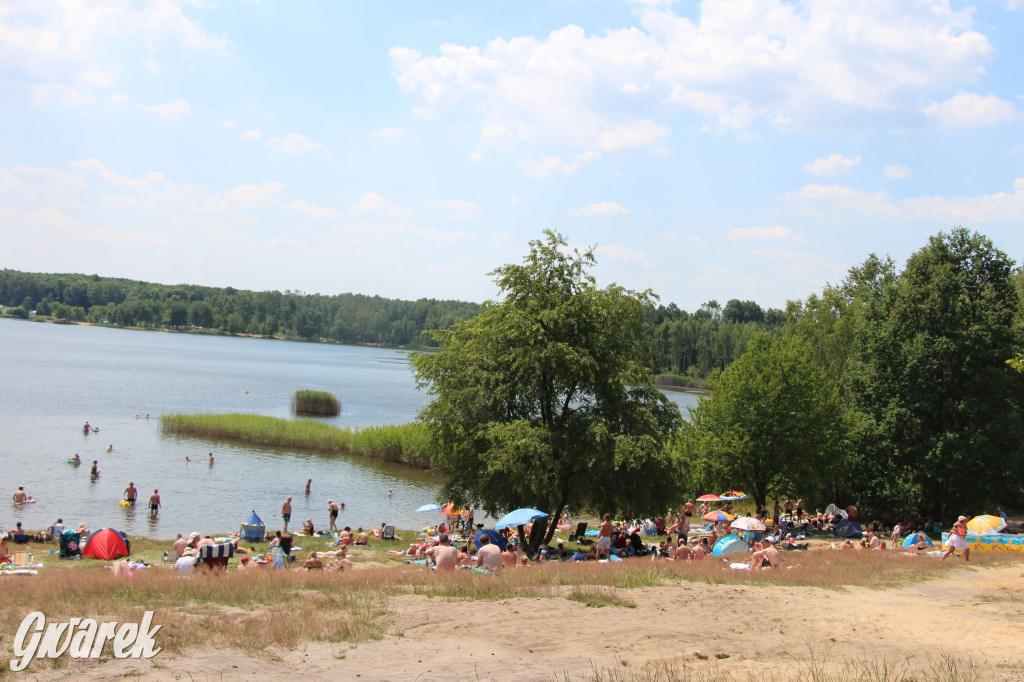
(430, 508)
(913, 539)
(519, 517)
(730, 544)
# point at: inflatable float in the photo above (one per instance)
(30, 500)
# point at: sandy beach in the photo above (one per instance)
(967, 623)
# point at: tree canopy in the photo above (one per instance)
(773, 424)
(546, 398)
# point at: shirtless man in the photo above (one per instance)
(604, 537)
(130, 493)
(800, 508)
(286, 513)
(768, 555)
(682, 553)
(154, 503)
(688, 508)
(19, 496)
(179, 545)
(488, 556)
(444, 555)
(508, 557)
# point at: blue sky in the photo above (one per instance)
(751, 149)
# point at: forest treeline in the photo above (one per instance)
(689, 345)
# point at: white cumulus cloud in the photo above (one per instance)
(758, 233)
(897, 171)
(968, 110)
(253, 134)
(592, 210)
(459, 209)
(833, 164)
(292, 143)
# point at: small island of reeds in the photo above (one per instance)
(319, 403)
(405, 444)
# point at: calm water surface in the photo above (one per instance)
(55, 377)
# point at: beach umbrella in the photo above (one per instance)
(519, 517)
(730, 544)
(734, 495)
(430, 508)
(709, 498)
(717, 516)
(748, 523)
(986, 524)
(450, 510)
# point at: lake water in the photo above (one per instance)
(53, 378)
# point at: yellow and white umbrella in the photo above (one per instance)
(986, 524)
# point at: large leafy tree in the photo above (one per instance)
(945, 407)
(773, 424)
(546, 398)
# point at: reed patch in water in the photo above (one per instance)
(405, 444)
(320, 403)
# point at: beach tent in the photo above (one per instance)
(105, 544)
(833, 509)
(495, 536)
(849, 529)
(730, 544)
(914, 538)
(253, 529)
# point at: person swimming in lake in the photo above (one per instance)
(211, 458)
(95, 473)
(308, 484)
(110, 448)
(76, 460)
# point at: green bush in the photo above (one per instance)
(316, 402)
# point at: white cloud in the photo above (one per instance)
(263, 195)
(668, 236)
(389, 133)
(229, 124)
(968, 110)
(623, 253)
(816, 65)
(292, 143)
(837, 200)
(757, 233)
(253, 134)
(65, 51)
(311, 212)
(833, 164)
(176, 110)
(592, 210)
(375, 206)
(896, 171)
(547, 166)
(458, 209)
(499, 240)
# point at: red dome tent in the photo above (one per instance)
(105, 544)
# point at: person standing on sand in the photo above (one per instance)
(333, 508)
(443, 554)
(154, 503)
(286, 513)
(956, 539)
(130, 493)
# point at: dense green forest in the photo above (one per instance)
(687, 344)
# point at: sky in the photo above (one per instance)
(750, 149)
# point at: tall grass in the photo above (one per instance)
(405, 444)
(315, 402)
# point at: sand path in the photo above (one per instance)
(771, 631)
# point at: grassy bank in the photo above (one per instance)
(404, 444)
(316, 402)
(681, 383)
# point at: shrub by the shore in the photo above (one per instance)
(316, 402)
(404, 444)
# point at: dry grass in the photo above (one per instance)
(259, 610)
